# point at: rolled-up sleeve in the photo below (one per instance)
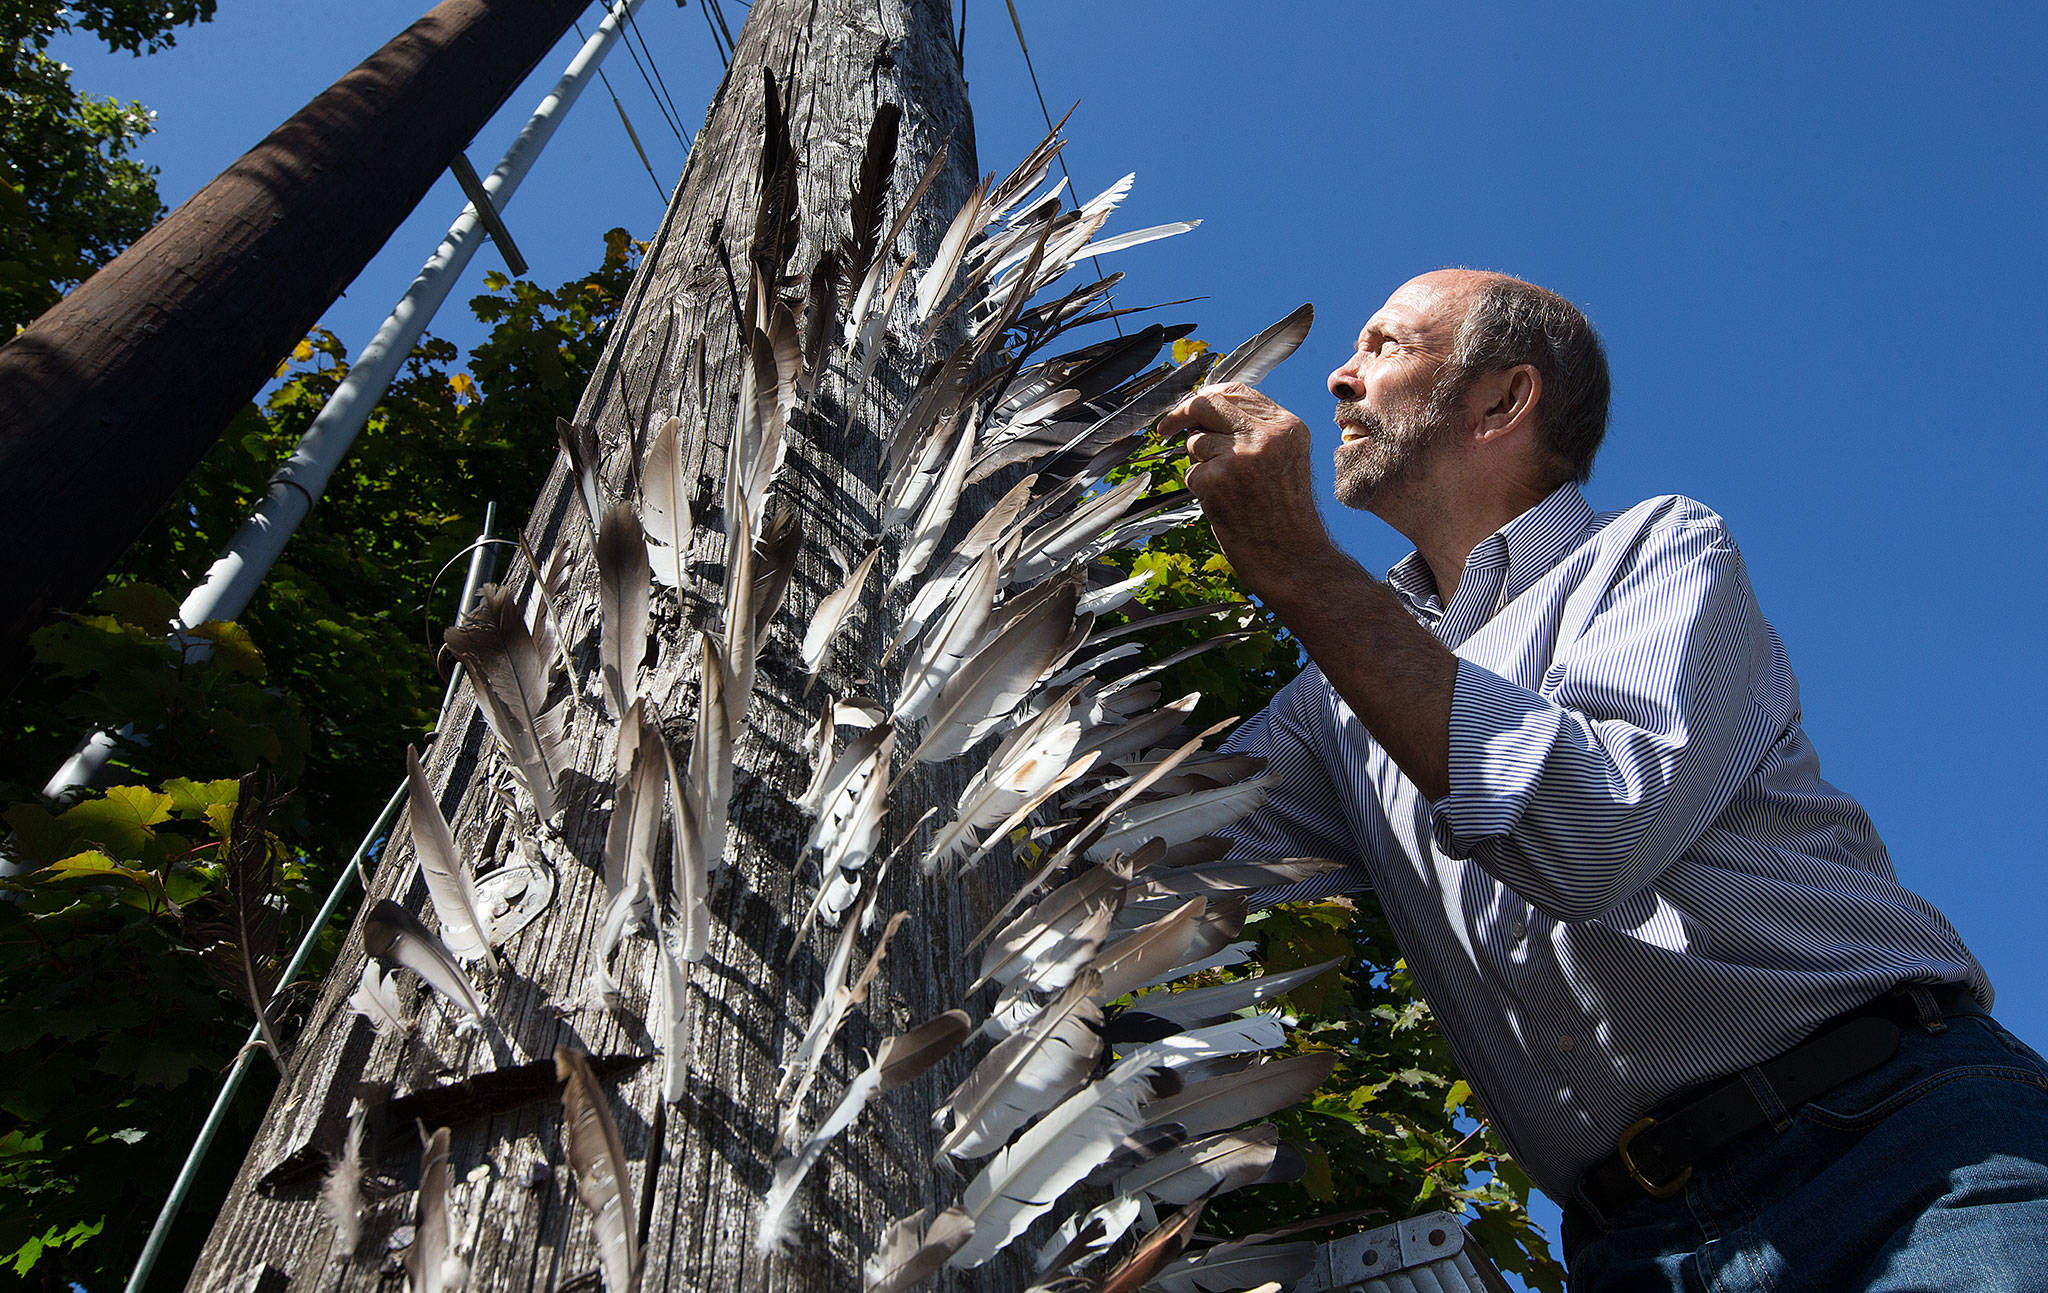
(1580, 793)
(1304, 813)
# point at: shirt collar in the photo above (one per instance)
(1536, 541)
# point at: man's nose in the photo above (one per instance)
(1346, 384)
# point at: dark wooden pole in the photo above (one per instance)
(109, 399)
(698, 1169)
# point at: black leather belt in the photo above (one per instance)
(1655, 1157)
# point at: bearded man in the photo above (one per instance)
(1565, 750)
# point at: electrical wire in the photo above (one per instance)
(675, 113)
(1017, 25)
(674, 126)
(704, 7)
(631, 134)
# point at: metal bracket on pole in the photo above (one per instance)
(487, 212)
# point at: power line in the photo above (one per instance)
(631, 133)
(675, 113)
(1018, 26)
(675, 126)
(704, 7)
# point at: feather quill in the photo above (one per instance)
(833, 612)
(1024, 1179)
(1022, 647)
(946, 650)
(929, 529)
(969, 221)
(710, 766)
(1153, 1252)
(1180, 818)
(871, 186)
(579, 445)
(835, 999)
(1028, 1072)
(1250, 362)
(1216, 1041)
(465, 929)
(1213, 1165)
(598, 1158)
(394, 936)
(665, 505)
(908, 1256)
(1224, 1268)
(1232, 1099)
(1143, 955)
(511, 676)
(897, 1061)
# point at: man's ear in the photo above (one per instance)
(1506, 401)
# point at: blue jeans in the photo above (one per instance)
(1930, 1172)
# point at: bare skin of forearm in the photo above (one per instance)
(1252, 473)
(1394, 674)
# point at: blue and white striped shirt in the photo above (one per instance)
(1639, 880)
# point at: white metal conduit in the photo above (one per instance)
(233, 579)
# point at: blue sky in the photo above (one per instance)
(1811, 235)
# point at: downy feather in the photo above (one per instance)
(430, 1263)
(341, 1194)
(376, 999)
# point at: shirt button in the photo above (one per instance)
(1520, 930)
(1565, 1042)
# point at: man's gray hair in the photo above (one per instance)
(1511, 322)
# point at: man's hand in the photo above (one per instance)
(1250, 467)
(1251, 470)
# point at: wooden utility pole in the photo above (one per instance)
(110, 398)
(698, 1168)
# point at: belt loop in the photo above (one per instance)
(1924, 1005)
(1766, 1097)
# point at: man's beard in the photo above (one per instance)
(1397, 444)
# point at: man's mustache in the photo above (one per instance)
(1350, 413)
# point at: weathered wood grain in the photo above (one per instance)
(700, 1167)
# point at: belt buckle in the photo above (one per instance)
(1655, 1189)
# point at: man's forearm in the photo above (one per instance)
(1393, 673)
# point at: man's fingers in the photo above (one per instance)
(1211, 408)
(1204, 445)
